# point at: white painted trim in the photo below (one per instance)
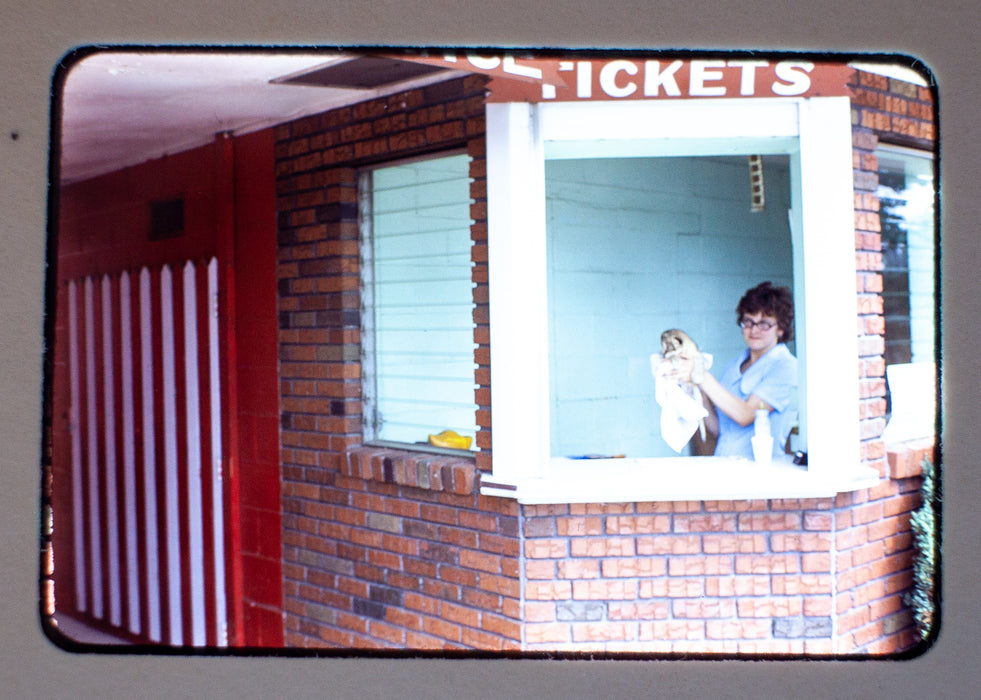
(192, 427)
(366, 249)
(94, 519)
(651, 147)
(800, 300)
(679, 479)
(171, 491)
(684, 127)
(218, 488)
(78, 514)
(129, 455)
(830, 297)
(698, 120)
(149, 458)
(109, 436)
(816, 132)
(516, 267)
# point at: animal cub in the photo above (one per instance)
(677, 346)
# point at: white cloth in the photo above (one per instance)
(680, 411)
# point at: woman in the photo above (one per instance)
(763, 376)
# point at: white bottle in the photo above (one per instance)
(762, 439)
(761, 426)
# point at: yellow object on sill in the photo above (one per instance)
(451, 439)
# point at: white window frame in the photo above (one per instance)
(816, 133)
(913, 385)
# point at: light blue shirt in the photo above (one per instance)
(773, 378)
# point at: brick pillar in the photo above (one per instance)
(873, 552)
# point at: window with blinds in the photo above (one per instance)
(417, 301)
(906, 195)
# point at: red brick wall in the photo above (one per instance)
(873, 563)
(382, 548)
(746, 577)
(818, 577)
(873, 540)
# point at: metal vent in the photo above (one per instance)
(364, 72)
(166, 219)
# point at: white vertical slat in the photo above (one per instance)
(170, 455)
(517, 221)
(129, 456)
(114, 468)
(193, 432)
(830, 345)
(94, 517)
(78, 514)
(149, 459)
(109, 465)
(217, 511)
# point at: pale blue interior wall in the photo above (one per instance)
(637, 246)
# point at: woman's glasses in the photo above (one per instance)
(747, 324)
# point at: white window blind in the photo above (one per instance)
(417, 296)
(906, 195)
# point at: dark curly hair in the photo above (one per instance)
(770, 301)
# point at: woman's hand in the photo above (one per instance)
(681, 368)
(743, 412)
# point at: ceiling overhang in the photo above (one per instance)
(361, 73)
(122, 108)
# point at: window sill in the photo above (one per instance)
(421, 470)
(423, 447)
(677, 479)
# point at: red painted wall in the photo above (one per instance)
(103, 223)
(102, 227)
(256, 323)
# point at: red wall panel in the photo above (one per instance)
(229, 213)
(104, 222)
(257, 329)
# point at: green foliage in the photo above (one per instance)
(922, 599)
